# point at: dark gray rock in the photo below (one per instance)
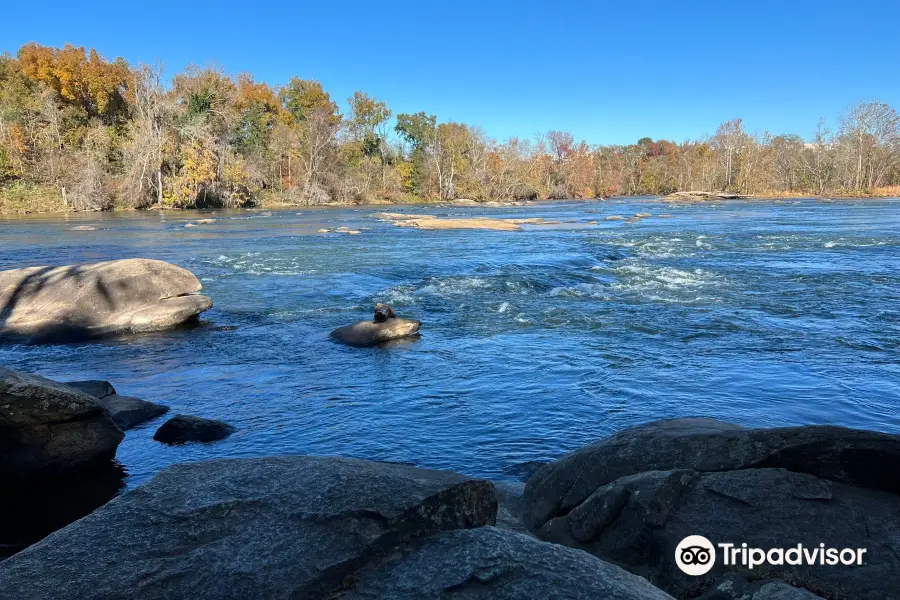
(93, 387)
(638, 520)
(497, 564)
(511, 506)
(75, 302)
(280, 528)
(130, 412)
(184, 428)
(383, 312)
(50, 429)
(863, 458)
(126, 411)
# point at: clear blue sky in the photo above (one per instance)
(610, 72)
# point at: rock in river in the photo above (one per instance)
(306, 528)
(126, 411)
(59, 304)
(385, 327)
(51, 429)
(183, 428)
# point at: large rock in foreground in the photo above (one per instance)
(639, 520)
(306, 528)
(50, 429)
(288, 527)
(864, 458)
(492, 564)
(632, 497)
(58, 304)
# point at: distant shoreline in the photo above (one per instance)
(451, 204)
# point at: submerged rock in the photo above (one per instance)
(48, 429)
(60, 304)
(183, 428)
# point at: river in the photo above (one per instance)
(533, 343)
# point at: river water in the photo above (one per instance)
(534, 342)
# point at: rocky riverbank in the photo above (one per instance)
(601, 522)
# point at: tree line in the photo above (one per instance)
(86, 133)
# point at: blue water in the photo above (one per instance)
(534, 342)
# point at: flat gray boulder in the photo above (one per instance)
(285, 527)
(126, 411)
(863, 458)
(491, 563)
(76, 302)
(49, 429)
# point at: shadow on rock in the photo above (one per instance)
(30, 510)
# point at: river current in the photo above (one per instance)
(533, 343)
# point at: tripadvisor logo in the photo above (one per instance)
(695, 555)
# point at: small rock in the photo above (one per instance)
(643, 215)
(93, 387)
(83, 228)
(183, 428)
(324, 231)
(190, 224)
(369, 333)
(205, 221)
(128, 412)
(614, 218)
(383, 312)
